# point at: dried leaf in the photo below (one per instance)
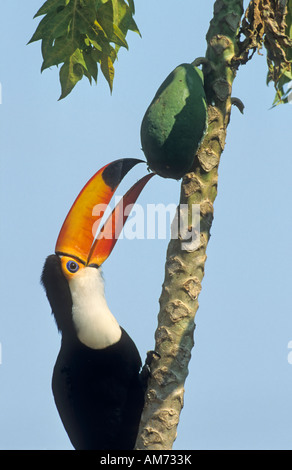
(268, 23)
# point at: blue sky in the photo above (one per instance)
(238, 392)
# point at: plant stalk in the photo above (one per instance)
(184, 270)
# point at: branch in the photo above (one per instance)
(184, 270)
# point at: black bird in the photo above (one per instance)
(96, 381)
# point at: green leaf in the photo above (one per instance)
(41, 30)
(80, 34)
(132, 6)
(95, 44)
(57, 53)
(51, 5)
(84, 18)
(71, 72)
(98, 3)
(91, 65)
(109, 22)
(123, 17)
(114, 34)
(54, 25)
(107, 69)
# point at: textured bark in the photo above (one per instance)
(184, 270)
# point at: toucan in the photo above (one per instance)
(97, 384)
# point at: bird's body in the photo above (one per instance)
(99, 394)
(96, 382)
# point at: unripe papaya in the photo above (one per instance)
(175, 122)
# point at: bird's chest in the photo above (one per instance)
(91, 389)
(90, 376)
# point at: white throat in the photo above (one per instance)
(96, 327)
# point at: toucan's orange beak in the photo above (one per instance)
(77, 235)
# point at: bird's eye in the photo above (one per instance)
(72, 266)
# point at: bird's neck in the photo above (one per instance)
(95, 325)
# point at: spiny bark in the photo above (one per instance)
(184, 270)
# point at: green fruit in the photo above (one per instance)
(175, 122)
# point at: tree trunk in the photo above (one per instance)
(184, 270)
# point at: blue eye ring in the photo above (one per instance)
(72, 266)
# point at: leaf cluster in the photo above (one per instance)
(80, 34)
(268, 23)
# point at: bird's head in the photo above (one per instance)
(78, 250)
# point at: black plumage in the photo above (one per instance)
(98, 392)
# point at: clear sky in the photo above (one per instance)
(238, 392)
